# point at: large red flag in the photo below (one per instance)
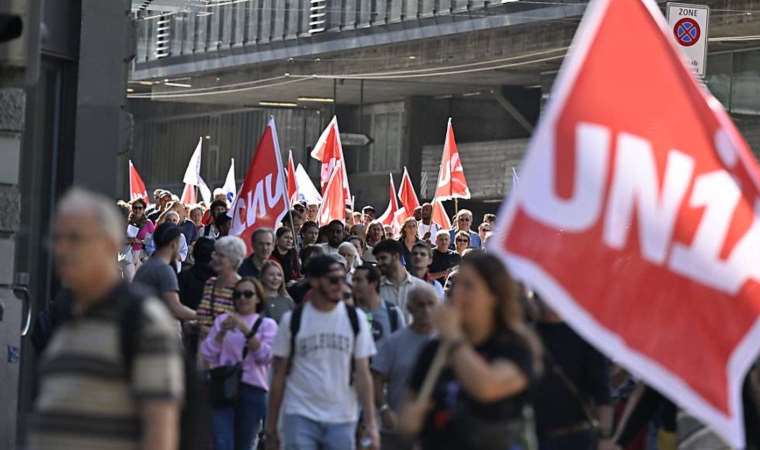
(136, 185)
(329, 151)
(407, 196)
(292, 186)
(262, 201)
(333, 205)
(451, 180)
(440, 217)
(637, 215)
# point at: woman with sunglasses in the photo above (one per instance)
(276, 297)
(234, 339)
(492, 359)
(134, 252)
(461, 242)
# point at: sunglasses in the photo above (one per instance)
(463, 240)
(347, 296)
(237, 295)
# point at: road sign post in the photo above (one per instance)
(689, 24)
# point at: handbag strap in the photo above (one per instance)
(572, 388)
(251, 333)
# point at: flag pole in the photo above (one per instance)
(290, 207)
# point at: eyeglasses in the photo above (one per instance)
(463, 240)
(237, 295)
(347, 296)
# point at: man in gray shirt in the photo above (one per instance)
(384, 318)
(157, 273)
(394, 362)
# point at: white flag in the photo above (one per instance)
(307, 192)
(229, 184)
(193, 173)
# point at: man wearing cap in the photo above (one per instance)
(332, 341)
(368, 214)
(164, 198)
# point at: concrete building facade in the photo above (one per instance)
(393, 70)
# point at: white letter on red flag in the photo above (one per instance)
(451, 180)
(262, 201)
(637, 215)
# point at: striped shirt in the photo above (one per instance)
(215, 302)
(87, 400)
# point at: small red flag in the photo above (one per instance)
(333, 200)
(136, 185)
(292, 186)
(390, 216)
(451, 180)
(440, 217)
(329, 151)
(407, 196)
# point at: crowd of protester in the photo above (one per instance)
(353, 335)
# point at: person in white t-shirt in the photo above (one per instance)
(426, 228)
(321, 374)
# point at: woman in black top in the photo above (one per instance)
(408, 239)
(493, 358)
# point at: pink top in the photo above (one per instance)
(146, 230)
(230, 351)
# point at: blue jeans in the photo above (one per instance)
(235, 427)
(301, 433)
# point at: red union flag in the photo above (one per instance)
(136, 185)
(329, 151)
(407, 196)
(451, 180)
(637, 215)
(334, 205)
(262, 201)
(292, 186)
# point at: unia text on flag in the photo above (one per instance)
(637, 215)
(193, 175)
(451, 180)
(262, 201)
(329, 151)
(229, 188)
(292, 180)
(333, 206)
(136, 185)
(408, 197)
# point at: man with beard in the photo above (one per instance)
(327, 337)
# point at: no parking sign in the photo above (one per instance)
(688, 24)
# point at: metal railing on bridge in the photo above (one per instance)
(227, 24)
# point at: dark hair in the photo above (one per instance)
(292, 213)
(508, 309)
(202, 250)
(388, 246)
(336, 221)
(260, 231)
(222, 219)
(320, 265)
(281, 231)
(258, 288)
(489, 217)
(218, 203)
(309, 224)
(373, 274)
(165, 234)
(425, 245)
(310, 251)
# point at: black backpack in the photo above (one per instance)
(295, 326)
(393, 316)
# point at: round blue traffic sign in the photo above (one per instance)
(687, 32)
